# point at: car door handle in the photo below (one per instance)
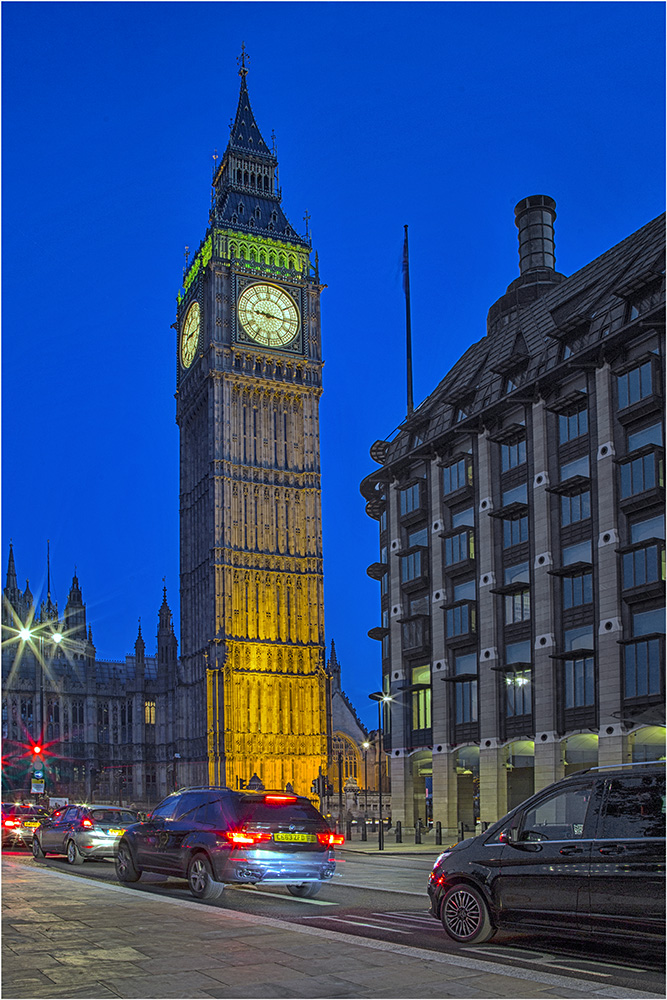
(571, 850)
(614, 849)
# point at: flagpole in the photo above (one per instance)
(408, 328)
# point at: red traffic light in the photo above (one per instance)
(37, 749)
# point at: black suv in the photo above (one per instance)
(214, 835)
(587, 853)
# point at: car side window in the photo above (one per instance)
(165, 810)
(634, 807)
(187, 806)
(210, 813)
(561, 816)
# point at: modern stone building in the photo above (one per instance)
(521, 540)
(249, 376)
(107, 727)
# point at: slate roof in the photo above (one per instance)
(588, 309)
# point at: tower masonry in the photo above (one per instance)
(253, 679)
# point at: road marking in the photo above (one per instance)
(378, 888)
(283, 899)
(361, 923)
(576, 968)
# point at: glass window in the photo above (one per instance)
(456, 476)
(559, 817)
(419, 605)
(648, 622)
(577, 590)
(383, 521)
(517, 495)
(149, 713)
(645, 565)
(579, 682)
(517, 652)
(576, 508)
(460, 620)
(520, 573)
(210, 813)
(653, 527)
(383, 554)
(465, 664)
(513, 454)
(517, 607)
(466, 702)
(635, 385)
(579, 638)
(515, 531)
(188, 805)
(578, 467)
(464, 517)
(642, 668)
(419, 537)
(634, 807)
(411, 566)
(410, 499)
(641, 474)
(165, 810)
(518, 698)
(572, 425)
(581, 552)
(648, 435)
(465, 591)
(421, 700)
(459, 548)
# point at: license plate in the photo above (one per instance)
(31, 825)
(116, 833)
(305, 838)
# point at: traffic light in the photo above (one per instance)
(315, 787)
(37, 758)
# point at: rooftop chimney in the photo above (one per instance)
(534, 218)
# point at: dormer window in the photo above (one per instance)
(257, 212)
(240, 208)
(460, 415)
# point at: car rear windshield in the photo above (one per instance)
(258, 812)
(113, 816)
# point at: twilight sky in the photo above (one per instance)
(438, 115)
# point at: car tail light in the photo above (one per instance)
(329, 839)
(239, 837)
(12, 822)
(279, 800)
(87, 822)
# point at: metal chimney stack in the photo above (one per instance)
(534, 218)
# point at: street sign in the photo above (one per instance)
(37, 787)
(38, 774)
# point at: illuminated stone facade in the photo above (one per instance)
(253, 691)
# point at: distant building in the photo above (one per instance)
(107, 727)
(521, 540)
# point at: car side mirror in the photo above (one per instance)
(508, 836)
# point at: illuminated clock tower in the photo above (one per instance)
(253, 682)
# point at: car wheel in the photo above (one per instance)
(126, 870)
(37, 851)
(74, 855)
(306, 890)
(200, 879)
(465, 915)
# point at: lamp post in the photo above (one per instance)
(381, 699)
(28, 636)
(365, 745)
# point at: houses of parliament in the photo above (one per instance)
(249, 697)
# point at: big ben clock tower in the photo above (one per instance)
(249, 381)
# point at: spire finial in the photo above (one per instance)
(241, 60)
(306, 219)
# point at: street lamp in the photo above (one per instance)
(28, 635)
(381, 699)
(365, 745)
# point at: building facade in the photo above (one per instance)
(249, 375)
(106, 728)
(521, 538)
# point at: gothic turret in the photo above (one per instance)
(139, 650)
(167, 644)
(75, 612)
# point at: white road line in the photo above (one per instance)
(283, 899)
(378, 888)
(361, 923)
(575, 968)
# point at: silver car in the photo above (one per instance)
(81, 832)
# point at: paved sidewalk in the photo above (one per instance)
(69, 937)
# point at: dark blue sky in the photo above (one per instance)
(438, 115)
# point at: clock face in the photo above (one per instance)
(268, 315)
(190, 335)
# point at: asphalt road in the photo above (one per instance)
(385, 898)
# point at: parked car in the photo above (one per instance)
(81, 831)
(584, 854)
(19, 823)
(214, 836)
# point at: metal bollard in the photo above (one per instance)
(364, 832)
(438, 832)
(399, 832)
(418, 832)
(348, 830)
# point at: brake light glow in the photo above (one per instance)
(11, 822)
(280, 799)
(86, 822)
(329, 839)
(239, 837)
